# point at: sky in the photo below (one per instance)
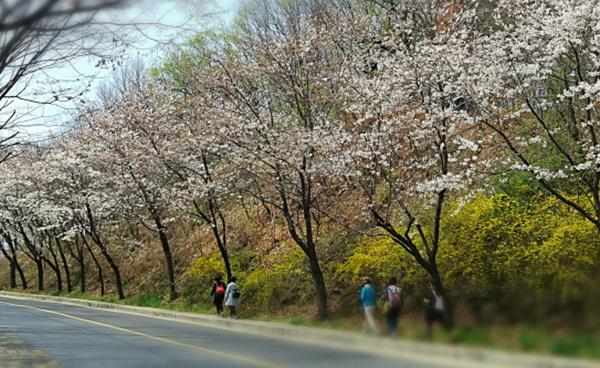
(159, 25)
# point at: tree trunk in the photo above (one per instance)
(164, 242)
(219, 235)
(21, 275)
(14, 261)
(13, 273)
(56, 270)
(13, 251)
(438, 284)
(40, 274)
(428, 264)
(222, 245)
(116, 272)
(113, 266)
(317, 276)
(307, 245)
(98, 266)
(82, 277)
(55, 266)
(13, 268)
(81, 261)
(61, 253)
(78, 255)
(226, 261)
(30, 251)
(433, 268)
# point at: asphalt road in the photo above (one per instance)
(43, 334)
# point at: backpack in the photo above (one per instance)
(394, 297)
(220, 289)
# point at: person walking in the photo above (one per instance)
(217, 294)
(368, 302)
(393, 298)
(434, 309)
(232, 297)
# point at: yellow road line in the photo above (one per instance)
(236, 357)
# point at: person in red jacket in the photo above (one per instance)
(218, 294)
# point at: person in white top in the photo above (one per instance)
(232, 297)
(435, 309)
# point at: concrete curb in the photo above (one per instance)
(457, 356)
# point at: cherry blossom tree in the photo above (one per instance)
(272, 97)
(205, 181)
(535, 83)
(22, 212)
(128, 134)
(11, 254)
(84, 187)
(414, 139)
(192, 149)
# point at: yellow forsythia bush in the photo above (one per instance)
(282, 278)
(506, 251)
(197, 281)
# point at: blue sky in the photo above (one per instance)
(162, 24)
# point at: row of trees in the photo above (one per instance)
(392, 106)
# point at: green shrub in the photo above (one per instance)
(566, 345)
(576, 343)
(530, 339)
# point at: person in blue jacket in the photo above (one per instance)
(368, 301)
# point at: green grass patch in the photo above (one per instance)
(145, 300)
(575, 344)
(531, 339)
(470, 336)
